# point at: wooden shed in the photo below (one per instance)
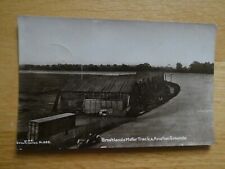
(97, 92)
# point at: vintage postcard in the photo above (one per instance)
(89, 83)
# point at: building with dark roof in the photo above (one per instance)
(96, 93)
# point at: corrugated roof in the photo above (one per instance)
(50, 118)
(122, 84)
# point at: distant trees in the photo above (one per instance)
(143, 67)
(90, 67)
(195, 67)
(179, 67)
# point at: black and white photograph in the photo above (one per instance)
(97, 83)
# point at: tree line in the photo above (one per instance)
(195, 67)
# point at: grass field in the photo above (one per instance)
(37, 93)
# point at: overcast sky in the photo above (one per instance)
(49, 40)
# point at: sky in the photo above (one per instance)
(52, 40)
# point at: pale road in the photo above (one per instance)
(188, 115)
